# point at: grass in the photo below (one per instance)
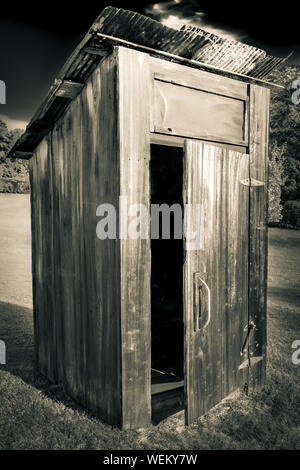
(37, 415)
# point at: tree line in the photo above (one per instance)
(284, 150)
(13, 172)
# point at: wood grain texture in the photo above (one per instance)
(200, 79)
(212, 353)
(134, 98)
(76, 275)
(44, 323)
(259, 133)
(191, 112)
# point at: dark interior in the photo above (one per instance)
(166, 275)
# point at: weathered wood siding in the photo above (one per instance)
(44, 324)
(92, 306)
(76, 276)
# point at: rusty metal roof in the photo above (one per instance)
(195, 46)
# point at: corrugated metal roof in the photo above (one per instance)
(189, 42)
(114, 26)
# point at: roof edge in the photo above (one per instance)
(95, 45)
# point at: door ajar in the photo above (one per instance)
(216, 231)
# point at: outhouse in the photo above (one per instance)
(138, 323)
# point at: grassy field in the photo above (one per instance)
(37, 415)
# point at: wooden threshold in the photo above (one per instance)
(164, 382)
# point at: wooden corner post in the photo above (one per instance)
(134, 135)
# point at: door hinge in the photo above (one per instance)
(252, 182)
(250, 362)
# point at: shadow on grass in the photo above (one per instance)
(268, 419)
(17, 331)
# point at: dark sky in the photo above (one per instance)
(36, 40)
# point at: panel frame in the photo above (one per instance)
(176, 141)
(204, 82)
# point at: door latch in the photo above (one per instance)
(250, 328)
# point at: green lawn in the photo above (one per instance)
(37, 415)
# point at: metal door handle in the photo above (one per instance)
(199, 307)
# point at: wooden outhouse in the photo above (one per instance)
(136, 327)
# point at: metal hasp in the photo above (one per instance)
(249, 328)
(252, 182)
(250, 362)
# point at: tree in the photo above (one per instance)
(277, 180)
(285, 148)
(5, 140)
(10, 167)
(14, 135)
(284, 114)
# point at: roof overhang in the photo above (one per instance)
(190, 46)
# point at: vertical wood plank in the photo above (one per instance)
(34, 250)
(134, 98)
(259, 134)
(44, 320)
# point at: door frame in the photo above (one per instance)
(172, 141)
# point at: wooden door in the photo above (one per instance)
(215, 273)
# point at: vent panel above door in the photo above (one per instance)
(192, 112)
